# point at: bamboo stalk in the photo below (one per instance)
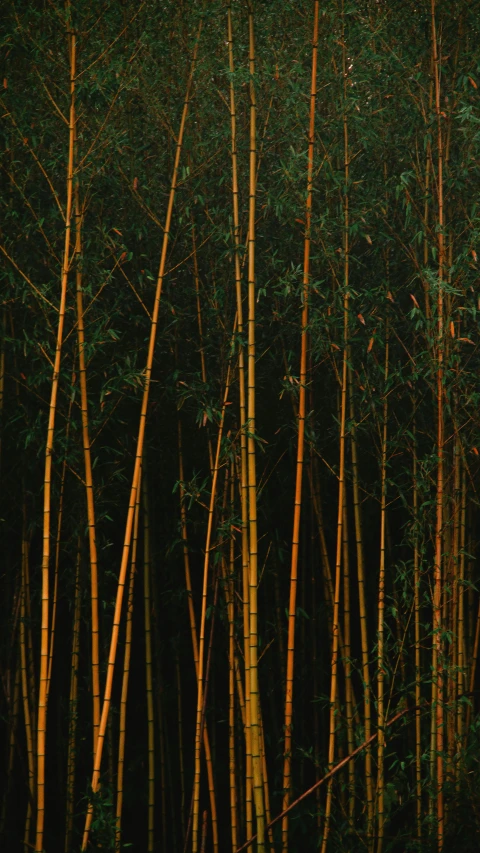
(89, 492)
(45, 630)
(243, 427)
(252, 475)
(138, 455)
(287, 754)
(347, 665)
(194, 635)
(362, 597)
(437, 655)
(201, 637)
(341, 469)
(381, 662)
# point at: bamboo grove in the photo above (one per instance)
(240, 440)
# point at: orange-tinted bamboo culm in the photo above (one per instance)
(301, 441)
(45, 629)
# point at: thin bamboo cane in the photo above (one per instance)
(381, 662)
(287, 755)
(230, 593)
(148, 666)
(45, 633)
(194, 636)
(72, 708)
(138, 455)
(196, 277)
(201, 638)
(453, 669)
(341, 471)
(89, 492)
(122, 728)
(437, 655)
(363, 619)
(347, 665)
(243, 427)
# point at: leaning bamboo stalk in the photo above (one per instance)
(336, 597)
(194, 635)
(139, 454)
(45, 634)
(122, 727)
(341, 469)
(347, 664)
(95, 660)
(287, 753)
(362, 603)
(328, 776)
(201, 637)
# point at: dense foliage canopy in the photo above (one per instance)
(239, 330)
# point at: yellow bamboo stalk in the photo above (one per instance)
(243, 429)
(95, 660)
(252, 475)
(138, 455)
(230, 593)
(287, 754)
(122, 727)
(45, 634)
